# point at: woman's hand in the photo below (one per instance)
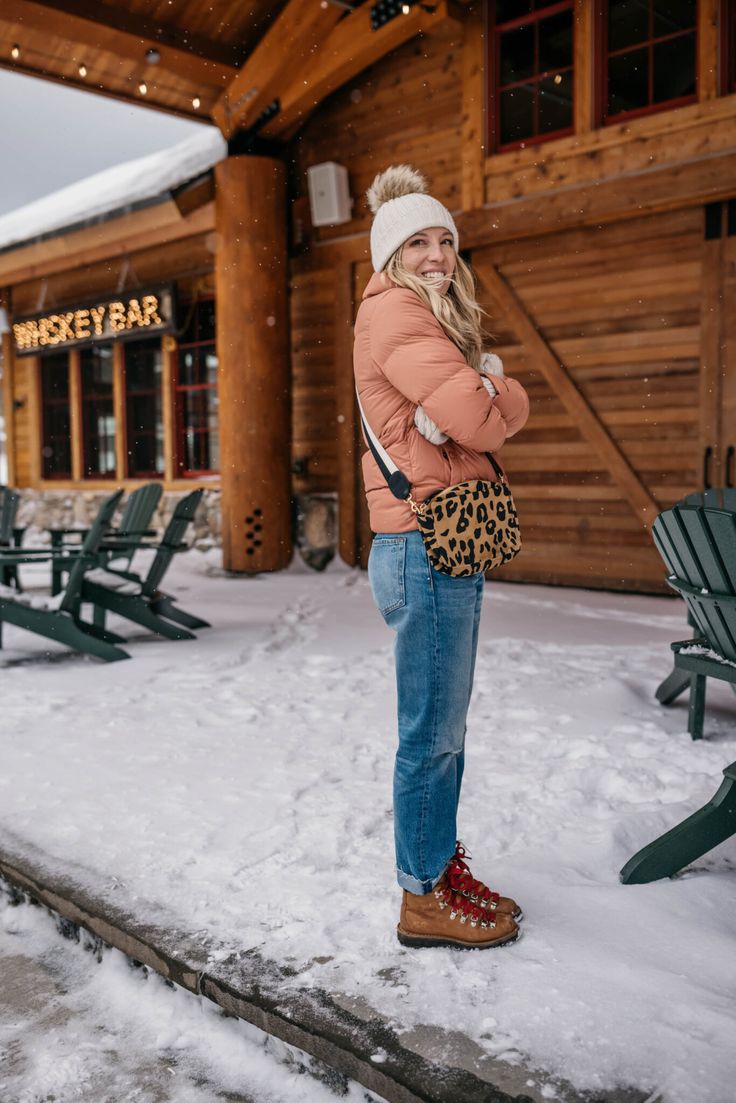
(490, 364)
(427, 427)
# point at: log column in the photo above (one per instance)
(254, 362)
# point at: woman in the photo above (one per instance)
(437, 404)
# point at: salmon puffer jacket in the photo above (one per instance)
(404, 359)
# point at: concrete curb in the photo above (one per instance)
(268, 996)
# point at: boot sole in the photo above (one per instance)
(419, 942)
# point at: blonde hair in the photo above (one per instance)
(457, 311)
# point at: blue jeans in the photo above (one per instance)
(435, 618)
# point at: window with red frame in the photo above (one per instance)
(195, 393)
(56, 444)
(650, 51)
(532, 59)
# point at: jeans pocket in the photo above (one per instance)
(386, 573)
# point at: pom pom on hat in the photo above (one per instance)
(398, 198)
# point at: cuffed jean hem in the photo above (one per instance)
(419, 888)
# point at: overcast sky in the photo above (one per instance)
(51, 136)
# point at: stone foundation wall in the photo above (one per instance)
(315, 518)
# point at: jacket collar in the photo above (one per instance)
(377, 284)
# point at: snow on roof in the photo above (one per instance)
(114, 189)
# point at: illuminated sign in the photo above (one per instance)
(127, 316)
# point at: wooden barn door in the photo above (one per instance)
(606, 328)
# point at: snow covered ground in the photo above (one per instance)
(78, 1029)
(242, 783)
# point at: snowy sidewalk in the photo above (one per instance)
(237, 788)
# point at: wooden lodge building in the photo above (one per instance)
(587, 149)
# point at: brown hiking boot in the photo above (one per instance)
(461, 880)
(445, 918)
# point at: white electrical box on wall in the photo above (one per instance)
(329, 194)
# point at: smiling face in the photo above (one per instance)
(430, 255)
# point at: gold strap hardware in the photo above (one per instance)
(419, 510)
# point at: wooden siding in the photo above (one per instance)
(620, 307)
(314, 426)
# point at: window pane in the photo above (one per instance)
(143, 365)
(200, 451)
(628, 23)
(97, 369)
(628, 85)
(555, 103)
(517, 54)
(98, 418)
(210, 361)
(517, 114)
(206, 320)
(512, 9)
(56, 445)
(144, 421)
(555, 42)
(674, 68)
(671, 16)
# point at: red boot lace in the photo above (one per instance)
(461, 880)
(463, 907)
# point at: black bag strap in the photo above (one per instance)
(397, 481)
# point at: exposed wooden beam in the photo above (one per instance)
(121, 95)
(112, 29)
(510, 307)
(288, 45)
(348, 50)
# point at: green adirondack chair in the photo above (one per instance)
(9, 502)
(121, 543)
(718, 498)
(61, 619)
(698, 545)
(139, 598)
(710, 825)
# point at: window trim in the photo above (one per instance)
(493, 68)
(601, 56)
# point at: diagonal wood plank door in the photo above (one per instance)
(603, 326)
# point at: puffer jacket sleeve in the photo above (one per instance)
(417, 357)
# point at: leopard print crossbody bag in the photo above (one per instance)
(468, 528)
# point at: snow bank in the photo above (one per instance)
(114, 188)
(239, 785)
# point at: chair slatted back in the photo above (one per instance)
(139, 508)
(718, 497)
(90, 547)
(9, 502)
(172, 539)
(698, 545)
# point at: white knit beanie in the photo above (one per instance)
(398, 198)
